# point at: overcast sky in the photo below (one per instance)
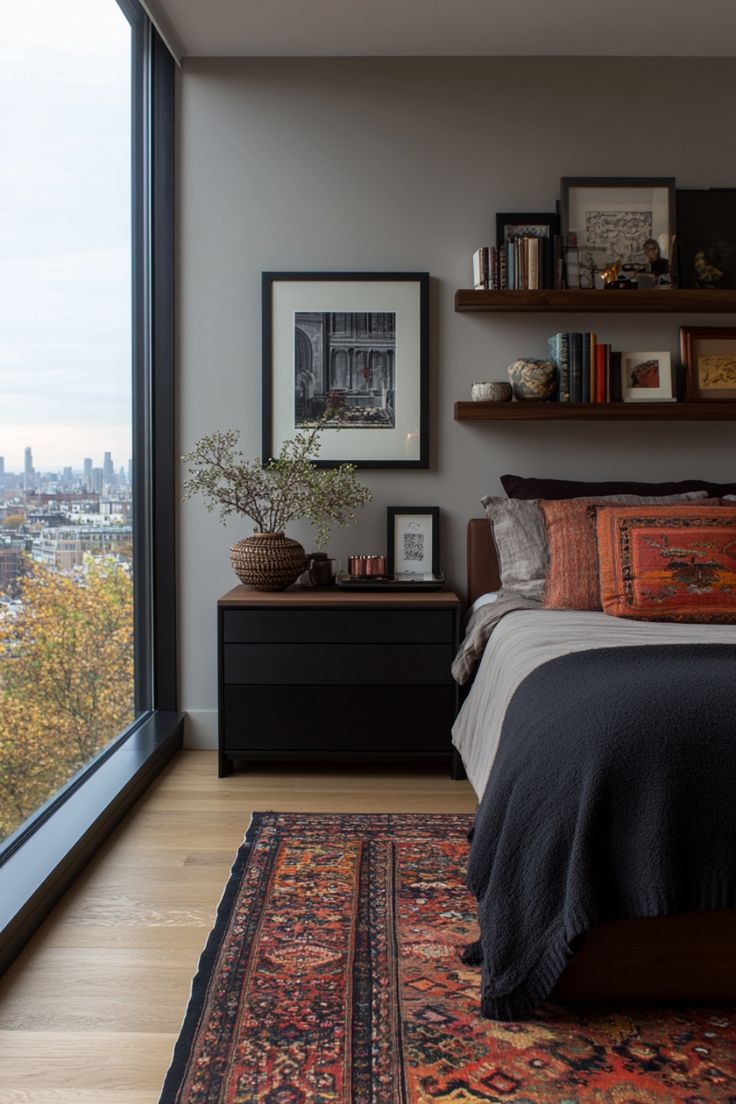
(64, 232)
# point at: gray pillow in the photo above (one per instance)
(520, 537)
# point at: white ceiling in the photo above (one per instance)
(322, 28)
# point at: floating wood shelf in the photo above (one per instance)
(658, 301)
(632, 411)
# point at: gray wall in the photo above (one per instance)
(360, 164)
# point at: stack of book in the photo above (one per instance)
(520, 264)
(588, 371)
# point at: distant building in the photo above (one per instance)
(13, 563)
(87, 472)
(66, 547)
(28, 472)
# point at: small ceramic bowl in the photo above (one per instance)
(495, 391)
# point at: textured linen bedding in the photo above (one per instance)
(604, 753)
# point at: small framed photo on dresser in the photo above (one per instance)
(413, 545)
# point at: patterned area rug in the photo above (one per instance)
(333, 977)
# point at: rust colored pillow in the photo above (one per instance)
(657, 563)
(572, 572)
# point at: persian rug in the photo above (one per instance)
(333, 976)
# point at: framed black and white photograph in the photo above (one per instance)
(623, 221)
(706, 237)
(511, 226)
(646, 377)
(413, 544)
(709, 356)
(350, 350)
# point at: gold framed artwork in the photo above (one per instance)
(709, 356)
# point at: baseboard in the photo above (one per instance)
(200, 730)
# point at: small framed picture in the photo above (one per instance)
(509, 227)
(413, 545)
(646, 377)
(709, 356)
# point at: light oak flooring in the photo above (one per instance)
(90, 1012)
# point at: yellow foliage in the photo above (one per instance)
(66, 680)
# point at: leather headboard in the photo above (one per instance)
(483, 574)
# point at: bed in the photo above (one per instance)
(688, 955)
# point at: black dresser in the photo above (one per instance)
(325, 674)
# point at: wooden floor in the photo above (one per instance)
(90, 1012)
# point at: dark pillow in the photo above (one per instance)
(516, 486)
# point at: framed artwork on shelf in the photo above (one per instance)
(629, 220)
(646, 377)
(350, 349)
(709, 356)
(706, 237)
(413, 540)
(509, 227)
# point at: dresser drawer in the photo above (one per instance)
(349, 719)
(341, 626)
(328, 664)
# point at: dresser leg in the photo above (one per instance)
(224, 765)
(457, 770)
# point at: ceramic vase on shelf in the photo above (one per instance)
(267, 561)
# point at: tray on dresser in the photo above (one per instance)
(403, 581)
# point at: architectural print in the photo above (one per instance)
(345, 362)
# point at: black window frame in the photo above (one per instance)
(45, 856)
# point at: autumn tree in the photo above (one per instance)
(66, 679)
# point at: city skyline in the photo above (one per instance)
(9, 468)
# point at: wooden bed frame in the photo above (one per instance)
(690, 957)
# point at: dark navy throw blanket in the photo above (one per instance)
(612, 795)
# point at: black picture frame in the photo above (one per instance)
(706, 237)
(359, 343)
(526, 225)
(427, 519)
(629, 212)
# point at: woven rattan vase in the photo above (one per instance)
(267, 561)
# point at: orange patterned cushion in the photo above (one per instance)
(664, 563)
(572, 572)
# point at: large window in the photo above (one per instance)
(66, 416)
(87, 581)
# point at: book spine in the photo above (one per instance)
(493, 268)
(575, 342)
(557, 353)
(534, 267)
(616, 381)
(585, 368)
(503, 268)
(480, 268)
(559, 263)
(600, 374)
(547, 262)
